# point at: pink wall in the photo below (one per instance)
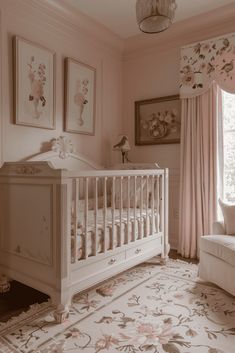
(150, 76)
(46, 26)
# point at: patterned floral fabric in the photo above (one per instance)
(207, 61)
(150, 308)
(143, 221)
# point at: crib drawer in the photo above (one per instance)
(145, 247)
(86, 268)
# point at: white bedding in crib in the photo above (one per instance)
(120, 230)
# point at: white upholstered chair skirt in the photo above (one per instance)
(217, 258)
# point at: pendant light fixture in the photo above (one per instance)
(154, 16)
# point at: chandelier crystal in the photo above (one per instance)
(154, 16)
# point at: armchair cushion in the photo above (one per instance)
(217, 252)
(229, 217)
(218, 228)
(222, 247)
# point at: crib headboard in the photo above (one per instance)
(62, 156)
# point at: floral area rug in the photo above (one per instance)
(150, 308)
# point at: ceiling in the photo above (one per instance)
(119, 15)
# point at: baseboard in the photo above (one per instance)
(173, 244)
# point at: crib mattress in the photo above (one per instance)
(114, 237)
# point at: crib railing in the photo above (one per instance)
(110, 209)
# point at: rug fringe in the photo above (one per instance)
(33, 311)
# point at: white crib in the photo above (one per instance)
(66, 225)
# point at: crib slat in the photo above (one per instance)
(165, 211)
(161, 204)
(141, 207)
(128, 210)
(135, 179)
(96, 215)
(105, 214)
(86, 217)
(147, 206)
(113, 212)
(152, 204)
(76, 208)
(158, 197)
(120, 214)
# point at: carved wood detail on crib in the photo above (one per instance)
(63, 146)
(27, 170)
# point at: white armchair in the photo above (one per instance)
(217, 258)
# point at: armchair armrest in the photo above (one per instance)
(218, 228)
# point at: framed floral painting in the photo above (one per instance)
(158, 121)
(34, 84)
(80, 81)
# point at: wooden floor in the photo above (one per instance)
(173, 255)
(20, 297)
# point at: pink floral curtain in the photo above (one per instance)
(205, 62)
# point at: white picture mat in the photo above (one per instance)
(25, 110)
(77, 73)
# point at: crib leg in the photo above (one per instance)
(4, 284)
(62, 302)
(163, 261)
(165, 255)
(61, 313)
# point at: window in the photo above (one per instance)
(228, 104)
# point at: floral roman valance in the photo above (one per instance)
(207, 61)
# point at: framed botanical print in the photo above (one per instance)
(34, 84)
(158, 121)
(80, 82)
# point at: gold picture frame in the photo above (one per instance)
(158, 120)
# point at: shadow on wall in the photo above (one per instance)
(45, 147)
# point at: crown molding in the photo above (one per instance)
(197, 28)
(62, 17)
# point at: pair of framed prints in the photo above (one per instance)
(34, 88)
